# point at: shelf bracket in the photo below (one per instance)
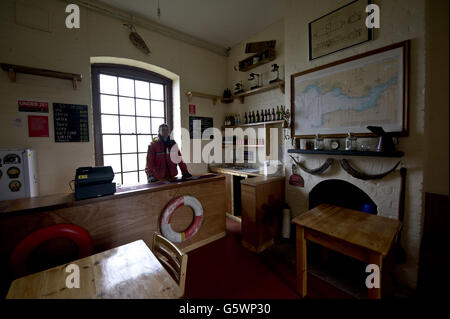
(12, 74)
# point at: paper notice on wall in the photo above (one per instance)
(32, 106)
(17, 122)
(38, 126)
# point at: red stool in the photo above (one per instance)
(19, 256)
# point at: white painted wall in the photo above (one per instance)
(400, 20)
(70, 50)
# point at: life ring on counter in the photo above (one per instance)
(166, 216)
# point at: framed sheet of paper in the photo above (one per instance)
(340, 29)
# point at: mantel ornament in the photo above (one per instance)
(315, 171)
(360, 175)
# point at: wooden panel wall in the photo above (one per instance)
(119, 221)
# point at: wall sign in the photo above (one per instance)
(206, 122)
(38, 126)
(340, 29)
(32, 106)
(71, 122)
(192, 109)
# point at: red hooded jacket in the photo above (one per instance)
(159, 165)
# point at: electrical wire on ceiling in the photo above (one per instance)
(158, 12)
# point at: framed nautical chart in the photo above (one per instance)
(340, 29)
(350, 94)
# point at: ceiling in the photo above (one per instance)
(221, 22)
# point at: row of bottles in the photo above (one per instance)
(260, 116)
(265, 116)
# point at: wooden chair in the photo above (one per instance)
(172, 259)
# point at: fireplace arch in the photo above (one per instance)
(341, 193)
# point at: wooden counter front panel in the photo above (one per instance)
(119, 221)
(261, 212)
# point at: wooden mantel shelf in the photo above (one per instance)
(12, 69)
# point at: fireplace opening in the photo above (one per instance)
(342, 271)
(341, 193)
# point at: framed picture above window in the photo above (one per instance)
(339, 29)
(353, 93)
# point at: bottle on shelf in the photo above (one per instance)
(258, 119)
(273, 116)
(278, 113)
(245, 118)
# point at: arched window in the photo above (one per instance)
(129, 104)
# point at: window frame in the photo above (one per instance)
(124, 71)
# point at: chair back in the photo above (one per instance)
(172, 259)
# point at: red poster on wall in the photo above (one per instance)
(191, 109)
(37, 126)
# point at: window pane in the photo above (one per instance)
(143, 125)
(142, 89)
(127, 124)
(142, 160)
(156, 122)
(110, 124)
(117, 179)
(111, 144)
(128, 143)
(143, 142)
(126, 105)
(108, 104)
(113, 161)
(156, 91)
(126, 87)
(130, 178)
(157, 109)
(129, 162)
(108, 84)
(142, 107)
(142, 177)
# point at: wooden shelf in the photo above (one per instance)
(255, 124)
(12, 69)
(279, 84)
(247, 64)
(227, 100)
(347, 153)
(214, 98)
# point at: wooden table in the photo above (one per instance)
(128, 271)
(363, 236)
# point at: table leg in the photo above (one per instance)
(376, 259)
(301, 261)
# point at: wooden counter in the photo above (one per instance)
(130, 214)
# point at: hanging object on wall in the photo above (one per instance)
(360, 175)
(316, 171)
(296, 179)
(136, 39)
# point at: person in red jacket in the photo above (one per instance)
(159, 164)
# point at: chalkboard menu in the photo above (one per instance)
(206, 122)
(71, 122)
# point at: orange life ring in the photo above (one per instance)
(168, 231)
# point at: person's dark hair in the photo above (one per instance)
(162, 125)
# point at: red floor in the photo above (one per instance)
(226, 270)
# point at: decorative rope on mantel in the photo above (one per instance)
(360, 175)
(316, 171)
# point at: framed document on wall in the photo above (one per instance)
(350, 94)
(339, 29)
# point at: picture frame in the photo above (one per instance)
(371, 88)
(338, 30)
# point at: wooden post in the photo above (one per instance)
(301, 261)
(377, 259)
